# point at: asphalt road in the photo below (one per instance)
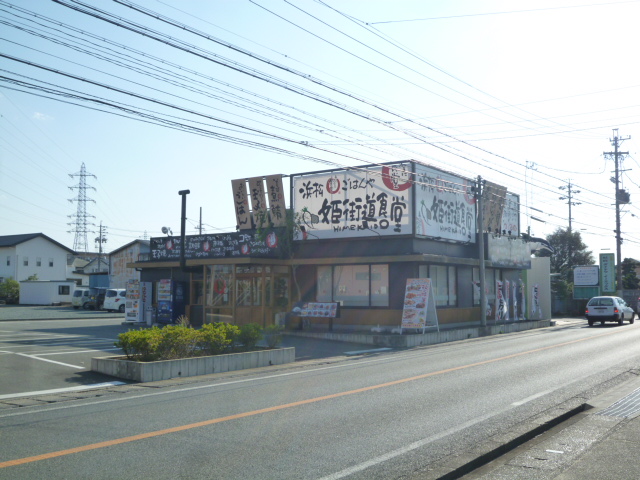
(385, 416)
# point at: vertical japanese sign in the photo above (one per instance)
(607, 273)
(258, 202)
(365, 202)
(419, 309)
(507, 300)
(536, 309)
(445, 205)
(501, 306)
(514, 296)
(493, 202)
(277, 207)
(241, 204)
(523, 300)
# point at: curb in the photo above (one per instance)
(460, 464)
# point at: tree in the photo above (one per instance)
(570, 252)
(630, 280)
(10, 291)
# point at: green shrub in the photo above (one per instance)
(273, 335)
(178, 341)
(216, 338)
(141, 345)
(10, 290)
(250, 334)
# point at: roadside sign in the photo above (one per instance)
(585, 293)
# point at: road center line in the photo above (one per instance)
(182, 428)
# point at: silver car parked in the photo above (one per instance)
(608, 309)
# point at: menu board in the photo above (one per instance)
(419, 310)
(236, 244)
(317, 309)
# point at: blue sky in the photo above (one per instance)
(525, 93)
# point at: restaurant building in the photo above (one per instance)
(354, 236)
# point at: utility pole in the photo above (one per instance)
(481, 269)
(569, 197)
(622, 197)
(100, 239)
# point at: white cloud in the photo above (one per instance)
(42, 117)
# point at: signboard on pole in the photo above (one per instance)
(608, 273)
(419, 309)
(585, 276)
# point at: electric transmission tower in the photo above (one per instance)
(81, 216)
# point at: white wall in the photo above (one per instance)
(44, 292)
(8, 254)
(119, 274)
(539, 275)
(43, 249)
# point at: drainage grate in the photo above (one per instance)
(625, 407)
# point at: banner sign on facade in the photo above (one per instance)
(241, 204)
(277, 206)
(445, 205)
(607, 273)
(372, 201)
(258, 202)
(419, 309)
(228, 245)
(493, 202)
(536, 308)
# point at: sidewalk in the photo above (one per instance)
(603, 443)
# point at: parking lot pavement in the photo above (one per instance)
(47, 312)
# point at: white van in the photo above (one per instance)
(115, 299)
(80, 297)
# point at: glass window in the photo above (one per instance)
(354, 285)
(243, 292)
(8, 260)
(38, 262)
(281, 292)
(379, 285)
(64, 290)
(324, 284)
(218, 285)
(25, 261)
(51, 262)
(351, 285)
(438, 275)
(453, 286)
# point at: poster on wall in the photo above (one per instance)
(445, 205)
(419, 310)
(514, 296)
(362, 202)
(507, 300)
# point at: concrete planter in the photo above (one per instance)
(120, 367)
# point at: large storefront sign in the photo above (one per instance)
(508, 252)
(229, 245)
(511, 215)
(445, 206)
(363, 202)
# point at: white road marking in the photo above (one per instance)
(61, 390)
(50, 361)
(72, 352)
(532, 397)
